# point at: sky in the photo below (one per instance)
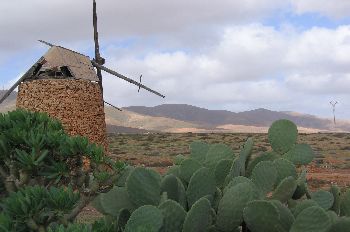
(237, 55)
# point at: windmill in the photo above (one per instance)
(64, 84)
(333, 103)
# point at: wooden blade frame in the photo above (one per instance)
(25, 76)
(98, 57)
(94, 63)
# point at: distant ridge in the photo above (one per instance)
(258, 117)
(180, 118)
(9, 103)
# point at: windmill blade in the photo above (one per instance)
(46, 43)
(112, 105)
(98, 57)
(25, 76)
(94, 63)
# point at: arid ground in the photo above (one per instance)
(157, 150)
(332, 163)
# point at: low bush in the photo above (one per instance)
(43, 178)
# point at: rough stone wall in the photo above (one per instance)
(77, 103)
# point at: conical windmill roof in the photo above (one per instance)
(78, 64)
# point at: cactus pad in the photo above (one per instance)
(285, 189)
(284, 169)
(341, 225)
(302, 206)
(170, 186)
(335, 190)
(312, 219)
(345, 204)
(198, 218)
(123, 218)
(266, 156)
(178, 159)
(301, 185)
(174, 216)
(175, 170)
(143, 186)
(230, 210)
(222, 169)
(264, 176)
(198, 151)
(282, 135)
(301, 154)
(113, 201)
(187, 168)
(234, 171)
(146, 218)
(286, 216)
(202, 183)
(124, 175)
(245, 154)
(262, 216)
(216, 153)
(323, 198)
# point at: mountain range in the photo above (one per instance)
(187, 118)
(248, 121)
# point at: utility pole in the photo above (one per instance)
(333, 103)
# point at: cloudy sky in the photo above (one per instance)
(284, 55)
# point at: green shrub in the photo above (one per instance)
(43, 179)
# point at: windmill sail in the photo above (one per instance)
(98, 57)
(25, 76)
(125, 78)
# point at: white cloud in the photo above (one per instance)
(324, 84)
(65, 22)
(200, 52)
(332, 8)
(321, 50)
(257, 65)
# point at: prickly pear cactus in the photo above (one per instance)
(264, 176)
(198, 218)
(345, 204)
(262, 216)
(198, 151)
(341, 224)
(323, 198)
(215, 191)
(312, 219)
(202, 183)
(284, 169)
(112, 202)
(170, 186)
(174, 216)
(245, 153)
(230, 210)
(234, 171)
(335, 190)
(286, 216)
(216, 153)
(145, 218)
(222, 169)
(300, 154)
(266, 156)
(282, 135)
(143, 186)
(285, 190)
(187, 168)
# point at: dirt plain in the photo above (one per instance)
(157, 150)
